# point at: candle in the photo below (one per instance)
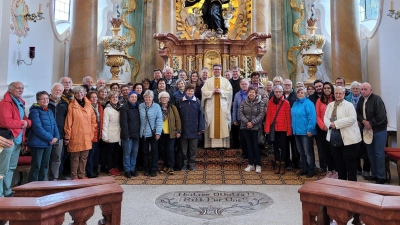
(40, 8)
(391, 5)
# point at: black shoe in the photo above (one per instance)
(92, 176)
(153, 174)
(301, 173)
(380, 181)
(134, 174)
(146, 173)
(191, 167)
(309, 175)
(128, 175)
(370, 178)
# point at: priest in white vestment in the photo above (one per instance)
(216, 104)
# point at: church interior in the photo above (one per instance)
(300, 40)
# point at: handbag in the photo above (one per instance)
(6, 133)
(261, 137)
(271, 134)
(336, 138)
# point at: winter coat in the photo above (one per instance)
(192, 118)
(252, 111)
(304, 118)
(99, 131)
(174, 121)
(236, 107)
(283, 120)
(129, 119)
(154, 118)
(60, 112)
(346, 121)
(375, 111)
(44, 127)
(10, 117)
(80, 126)
(111, 128)
(178, 95)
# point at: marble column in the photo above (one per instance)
(261, 18)
(83, 42)
(345, 29)
(278, 53)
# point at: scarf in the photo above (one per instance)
(187, 97)
(334, 111)
(164, 112)
(96, 111)
(115, 106)
(354, 100)
(81, 102)
(243, 95)
(276, 100)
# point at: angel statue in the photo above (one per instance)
(212, 14)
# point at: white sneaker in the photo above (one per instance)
(249, 168)
(258, 169)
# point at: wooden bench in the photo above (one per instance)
(341, 203)
(42, 188)
(46, 202)
(392, 155)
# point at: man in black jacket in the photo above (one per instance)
(59, 107)
(371, 114)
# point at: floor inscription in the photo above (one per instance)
(213, 204)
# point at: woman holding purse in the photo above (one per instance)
(278, 114)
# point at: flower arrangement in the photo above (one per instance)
(306, 41)
(117, 43)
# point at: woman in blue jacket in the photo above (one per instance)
(304, 119)
(43, 134)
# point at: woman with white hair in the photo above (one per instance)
(150, 131)
(171, 129)
(341, 118)
(278, 115)
(181, 85)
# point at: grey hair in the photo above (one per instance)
(112, 93)
(301, 89)
(62, 78)
(148, 93)
(244, 80)
(340, 88)
(180, 80)
(169, 68)
(101, 89)
(206, 69)
(302, 84)
(278, 87)
(278, 78)
(269, 82)
(100, 79)
(355, 83)
(160, 95)
(288, 80)
(85, 78)
(11, 85)
(57, 84)
(78, 89)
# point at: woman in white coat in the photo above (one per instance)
(341, 115)
(111, 133)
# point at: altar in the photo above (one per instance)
(193, 55)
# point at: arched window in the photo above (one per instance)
(62, 10)
(369, 10)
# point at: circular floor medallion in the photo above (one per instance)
(213, 204)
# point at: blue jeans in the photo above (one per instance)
(8, 163)
(307, 159)
(130, 149)
(253, 150)
(147, 142)
(39, 164)
(376, 154)
(167, 150)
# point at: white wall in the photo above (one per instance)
(48, 64)
(383, 61)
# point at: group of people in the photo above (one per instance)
(96, 126)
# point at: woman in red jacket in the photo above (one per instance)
(283, 127)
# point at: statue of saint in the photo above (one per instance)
(212, 14)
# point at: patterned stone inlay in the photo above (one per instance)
(213, 204)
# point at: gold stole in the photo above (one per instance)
(217, 110)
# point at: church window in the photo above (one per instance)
(369, 10)
(62, 10)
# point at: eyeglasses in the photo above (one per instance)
(44, 99)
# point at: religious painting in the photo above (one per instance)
(19, 24)
(204, 19)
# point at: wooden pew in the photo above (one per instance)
(341, 203)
